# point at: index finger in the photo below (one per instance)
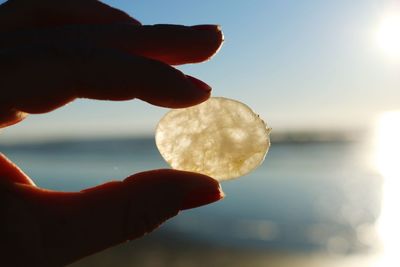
(172, 44)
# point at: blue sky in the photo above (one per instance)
(301, 65)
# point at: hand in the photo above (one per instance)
(52, 52)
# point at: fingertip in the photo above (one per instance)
(9, 117)
(215, 40)
(200, 197)
(195, 92)
(172, 89)
(177, 44)
(198, 84)
(185, 190)
(215, 29)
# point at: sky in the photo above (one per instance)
(302, 65)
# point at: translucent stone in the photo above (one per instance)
(221, 138)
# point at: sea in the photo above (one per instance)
(310, 196)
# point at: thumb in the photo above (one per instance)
(75, 225)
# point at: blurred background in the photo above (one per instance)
(323, 74)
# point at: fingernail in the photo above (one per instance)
(200, 197)
(207, 27)
(199, 84)
(210, 27)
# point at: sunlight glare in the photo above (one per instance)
(388, 163)
(388, 35)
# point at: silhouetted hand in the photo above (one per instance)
(52, 52)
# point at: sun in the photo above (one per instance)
(388, 35)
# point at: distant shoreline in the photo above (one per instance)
(276, 138)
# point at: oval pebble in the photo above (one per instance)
(220, 137)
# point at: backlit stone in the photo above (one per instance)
(222, 138)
